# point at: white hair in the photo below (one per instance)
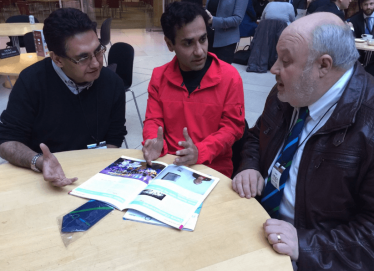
(336, 41)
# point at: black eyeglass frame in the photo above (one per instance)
(101, 50)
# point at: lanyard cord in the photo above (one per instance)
(97, 115)
(315, 126)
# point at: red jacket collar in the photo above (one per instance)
(212, 77)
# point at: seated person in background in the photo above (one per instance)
(259, 6)
(363, 22)
(279, 10)
(195, 105)
(248, 26)
(65, 102)
(313, 144)
(335, 6)
(316, 4)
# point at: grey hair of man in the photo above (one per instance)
(336, 41)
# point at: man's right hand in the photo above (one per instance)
(152, 147)
(248, 183)
(52, 170)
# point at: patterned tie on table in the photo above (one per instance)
(271, 195)
(369, 24)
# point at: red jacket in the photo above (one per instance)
(213, 113)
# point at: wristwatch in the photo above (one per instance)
(33, 162)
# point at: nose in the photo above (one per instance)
(275, 68)
(198, 49)
(94, 62)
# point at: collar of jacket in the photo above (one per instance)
(348, 105)
(212, 77)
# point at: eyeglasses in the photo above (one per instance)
(86, 60)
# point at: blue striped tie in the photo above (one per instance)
(271, 195)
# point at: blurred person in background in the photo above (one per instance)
(223, 33)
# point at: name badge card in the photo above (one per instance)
(101, 145)
(276, 174)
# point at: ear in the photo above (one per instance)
(169, 44)
(324, 65)
(56, 59)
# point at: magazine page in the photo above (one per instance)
(119, 183)
(174, 195)
(134, 215)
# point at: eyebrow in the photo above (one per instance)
(191, 39)
(85, 54)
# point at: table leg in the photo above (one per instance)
(369, 53)
(10, 83)
(15, 42)
(82, 7)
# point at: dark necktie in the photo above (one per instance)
(272, 196)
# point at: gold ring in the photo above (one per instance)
(279, 238)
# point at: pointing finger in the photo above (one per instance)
(186, 136)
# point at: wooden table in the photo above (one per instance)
(368, 51)
(228, 235)
(13, 66)
(18, 29)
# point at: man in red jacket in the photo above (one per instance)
(195, 105)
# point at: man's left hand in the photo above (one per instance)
(189, 155)
(288, 243)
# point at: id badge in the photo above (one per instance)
(276, 174)
(101, 145)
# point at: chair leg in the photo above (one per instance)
(124, 139)
(137, 108)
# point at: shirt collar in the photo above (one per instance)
(74, 88)
(317, 109)
(365, 16)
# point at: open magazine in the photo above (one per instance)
(168, 193)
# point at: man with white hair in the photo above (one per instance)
(314, 145)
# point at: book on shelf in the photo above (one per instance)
(167, 194)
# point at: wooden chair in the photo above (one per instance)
(114, 5)
(24, 8)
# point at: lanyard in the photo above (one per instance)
(315, 126)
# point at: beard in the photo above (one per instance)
(368, 12)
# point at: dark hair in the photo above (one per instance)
(199, 2)
(63, 24)
(178, 14)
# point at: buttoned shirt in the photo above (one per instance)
(319, 113)
(365, 16)
(74, 88)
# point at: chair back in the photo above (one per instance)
(98, 3)
(23, 8)
(123, 55)
(113, 3)
(28, 40)
(19, 19)
(105, 32)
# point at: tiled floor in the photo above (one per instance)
(150, 52)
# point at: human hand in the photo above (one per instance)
(152, 147)
(248, 183)
(210, 17)
(287, 243)
(187, 156)
(350, 25)
(52, 170)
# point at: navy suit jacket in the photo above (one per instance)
(331, 7)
